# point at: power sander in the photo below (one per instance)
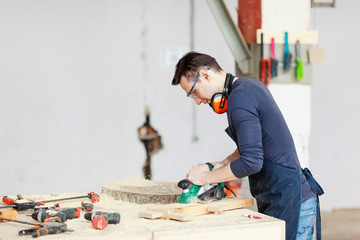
(195, 193)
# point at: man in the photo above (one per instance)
(265, 148)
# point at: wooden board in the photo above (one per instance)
(218, 209)
(180, 217)
(305, 37)
(150, 214)
(316, 54)
(203, 208)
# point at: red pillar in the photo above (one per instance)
(249, 18)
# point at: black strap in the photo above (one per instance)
(313, 183)
(226, 186)
(318, 191)
(318, 219)
(230, 84)
(211, 166)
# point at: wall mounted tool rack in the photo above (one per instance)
(306, 38)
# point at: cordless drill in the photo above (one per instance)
(101, 219)
(64, 214)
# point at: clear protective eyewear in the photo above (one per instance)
(196, 79)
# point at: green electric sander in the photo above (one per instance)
(195, 193)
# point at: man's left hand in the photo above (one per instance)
(198, 174)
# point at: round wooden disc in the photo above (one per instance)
(141, 191)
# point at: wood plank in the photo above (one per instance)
(316, 54)
(305, 36)
(181, 217)
(202, 208)
(217, 209)
(151, 214)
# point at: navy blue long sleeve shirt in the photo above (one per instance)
(260, 131)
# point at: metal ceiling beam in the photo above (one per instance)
(232, 35)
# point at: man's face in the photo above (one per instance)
(202, 91)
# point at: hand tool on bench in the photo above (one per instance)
(101, 219)
(41, 229)
(63, 214)
(12, 214)
(193, 193)
(88, 207)
(21, 205)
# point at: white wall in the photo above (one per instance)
(335, 130)
(75, 77)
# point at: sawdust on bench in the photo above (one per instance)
(130, 224)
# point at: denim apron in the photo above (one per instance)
(278, 193)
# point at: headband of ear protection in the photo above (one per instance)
(219, 100)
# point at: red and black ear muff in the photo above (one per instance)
(219, 101)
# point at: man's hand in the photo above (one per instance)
(198, 174)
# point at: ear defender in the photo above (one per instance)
(219, 101)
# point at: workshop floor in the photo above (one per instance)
(343, 224)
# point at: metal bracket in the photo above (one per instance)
(232, 35)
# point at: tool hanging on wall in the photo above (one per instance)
(273, 61)
(151, 140)
(299, 63)
(265, 68)
(287, 55)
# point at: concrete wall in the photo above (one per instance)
(335, 130)
(75, 77)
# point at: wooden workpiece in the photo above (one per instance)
(180, 211)
(225, 225)
(141, 191)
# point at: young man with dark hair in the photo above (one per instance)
(265, 149)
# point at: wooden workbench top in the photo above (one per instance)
(210, 226)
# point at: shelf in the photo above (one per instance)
(305, 37)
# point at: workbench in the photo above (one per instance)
(226, 225)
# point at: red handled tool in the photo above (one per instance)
(101, 219)
(273, 61)
(63, 214)
(252, 216)
(265, 68)
(41, 229)
(88, 207)
(20, 205)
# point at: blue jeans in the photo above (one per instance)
(306, 222)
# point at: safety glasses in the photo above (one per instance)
(196, 79)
